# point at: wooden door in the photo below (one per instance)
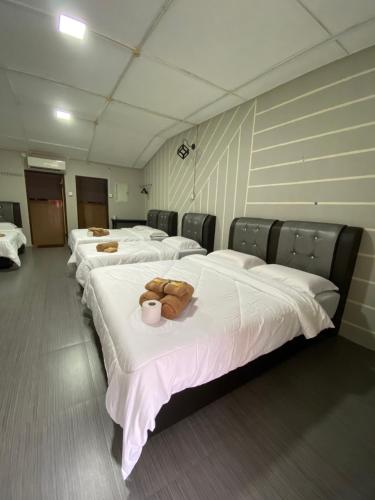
(46, 201)
(92, 202)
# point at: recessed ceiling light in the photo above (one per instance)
(72, 27)
(63, 115)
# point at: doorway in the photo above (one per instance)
(92, 202)
(46, 203)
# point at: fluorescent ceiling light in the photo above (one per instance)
(63, 115)
(72, 27)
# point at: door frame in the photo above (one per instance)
(62, 177)
(106, 194)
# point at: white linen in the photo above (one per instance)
(128, 253)
(83, 237)
(182, 243)
(239, 259)
(10, 243)
(234, 317)
(329, 301)
(7, 225)
(154, 233)
(308, 282)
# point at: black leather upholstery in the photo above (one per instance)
(251, 236)
(152, 218)
(167, 221)
(200, 228)
(308, 246)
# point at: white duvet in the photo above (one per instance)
(234, 317)
(12, 240)
(79, 237)
(129, 252)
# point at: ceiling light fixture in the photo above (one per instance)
(72, 27)
(63, 115)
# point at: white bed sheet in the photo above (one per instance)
(79, 237)
(233, 318)
(131, 252)
(10, 243)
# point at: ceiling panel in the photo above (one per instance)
(149, 152)
(30, 42)
(228, 45)
(32, 90)
(57, 150)
(117, 146)
(40, 124)
(155, 86)
(338, 15)
(314, 58)
(359, 38)
(219, 106)
(175, 129)
(13, 143)
(10, 122)
(135, 120)
(122, 20)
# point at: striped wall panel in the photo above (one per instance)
(306, 148)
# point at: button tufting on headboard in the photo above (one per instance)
(308, 246)
(201, 228)
(251, 236)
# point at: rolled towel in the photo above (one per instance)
(101, 247)
(102, 232)
(172, 306)
(110, 250)
(150, 296)
(1, 235)
(156, 285)
(178, 288)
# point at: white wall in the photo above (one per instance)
(13, 188)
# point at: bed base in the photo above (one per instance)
(187, 402)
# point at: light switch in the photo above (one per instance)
(70, 193)
(110, 195)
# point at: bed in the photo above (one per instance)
(157, 376)
(160, 224)
(12, 244)
(197, 237)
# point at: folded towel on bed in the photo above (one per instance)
(98, 231)
(150, 296)
(174, 295)
(156, 285)
(172, 306)
(108, 246)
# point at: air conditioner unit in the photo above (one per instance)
(46, 164)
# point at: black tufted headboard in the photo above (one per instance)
(251, 236)
(167, 221)
(201, 228)
(329, 250)
(309, 246)
(152, 218)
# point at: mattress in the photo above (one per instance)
(84, 237)
(10, 243)
(329, 301)
(232, 319)
(132, 252)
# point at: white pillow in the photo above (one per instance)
(239, 259)
(310, 283)
(149, 230)
(7, 225)
(182, 243)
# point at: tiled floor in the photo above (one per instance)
(304, 430)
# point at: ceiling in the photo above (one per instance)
(147, 70)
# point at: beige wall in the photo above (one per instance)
(12, 187)
(305, 150)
